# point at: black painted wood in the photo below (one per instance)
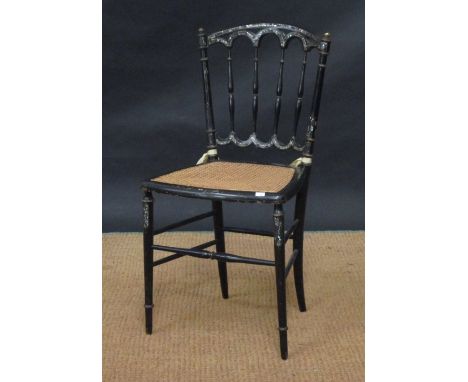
(178, 255)
(148, 257)
(230, 92)
(255, 32)
(255, 92)
(278, 218)
(220, 245)
(298, 243)
(317, 95)
(182, 222)
(279, 93)
(300, 95)
(209, 117)
(291, 230)
(259, 232)
(291, 262)
(296, 188)
(214, 255)
(248, 231)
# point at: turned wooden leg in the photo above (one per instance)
(278, 218)
(220, 245)
(298, 243)
(148, 257)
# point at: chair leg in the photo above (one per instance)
(148, 257)
(278, 218)
(298, 243)
(220, 245)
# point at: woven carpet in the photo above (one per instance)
(198, 336)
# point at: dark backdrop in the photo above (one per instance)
(153, 117)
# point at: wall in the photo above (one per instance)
(153, 117)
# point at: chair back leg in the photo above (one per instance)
(298, 244)
(278, 219)
(148, 257)
(220, 245)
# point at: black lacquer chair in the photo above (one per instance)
(218, 181)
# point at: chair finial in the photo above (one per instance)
(326, 37)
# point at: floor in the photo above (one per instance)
(198, 336)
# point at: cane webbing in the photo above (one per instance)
(232, 176)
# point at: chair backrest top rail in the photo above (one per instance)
(284, 33)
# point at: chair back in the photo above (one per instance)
(255, 33)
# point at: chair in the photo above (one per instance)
(226, 181)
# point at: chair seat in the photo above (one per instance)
(230, 179)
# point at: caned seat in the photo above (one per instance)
(234, 177)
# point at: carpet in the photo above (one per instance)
(199, 336)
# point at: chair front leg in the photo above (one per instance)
(278, 218)
(298, 243)
(148, 257)
(220, 245)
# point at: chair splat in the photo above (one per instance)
(255, 91)
(230, 91)
(300, 94)
(279, 93)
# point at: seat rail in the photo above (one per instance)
(259, 232)
(182, 222)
